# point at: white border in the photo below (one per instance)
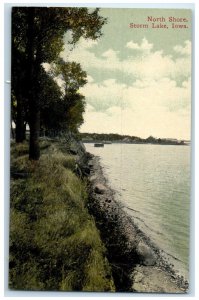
(4, 133)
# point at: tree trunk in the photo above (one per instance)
(34, 109)
(12, 131)
(20, 130)
(34, 149)
(17, 86)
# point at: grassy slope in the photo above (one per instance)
(54, 244)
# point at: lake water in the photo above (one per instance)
(153, 184)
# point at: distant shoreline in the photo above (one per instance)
(135, 143)
(127, 139)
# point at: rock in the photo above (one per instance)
(85, 170)
(146, 254)
(100, 188)
(92, 178)
(73, 152)
(152, 280)
(108, 200)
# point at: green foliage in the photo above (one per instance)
(61, 112)
(51, 23)
(81, 16)
(50, 91)
(19, 149)
(109, 137)
(112, 137)
(37, 37)
(96, 275)
(76, 108)
(54, 244)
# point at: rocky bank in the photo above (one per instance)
(137, 265)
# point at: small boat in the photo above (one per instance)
(99, 145)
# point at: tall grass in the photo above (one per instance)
(54, 243)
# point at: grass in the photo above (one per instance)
(54, 243)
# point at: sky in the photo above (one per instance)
(139, 79)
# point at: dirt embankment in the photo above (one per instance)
(136, 263)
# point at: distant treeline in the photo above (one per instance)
(117, 138)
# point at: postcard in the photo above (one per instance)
(100, 134)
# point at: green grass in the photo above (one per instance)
(54, 243)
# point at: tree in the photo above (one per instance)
(50, 99)
(71, 74)
(38, 34)
(64, 114)
(19, 93)
(75, 110)
(66, 111)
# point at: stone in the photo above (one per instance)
(100, 188)
(146, 254)
(92, 178)
(152, 280)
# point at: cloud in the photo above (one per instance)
(159, 108)
(156, 100)
(159, 123)
(132, 45)
(108, 122)
(144, 46)
(87, 44)
(148, 64)
(141, 94)
(104, 95)
(186, 50)
(110, 54)
(89, 79)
